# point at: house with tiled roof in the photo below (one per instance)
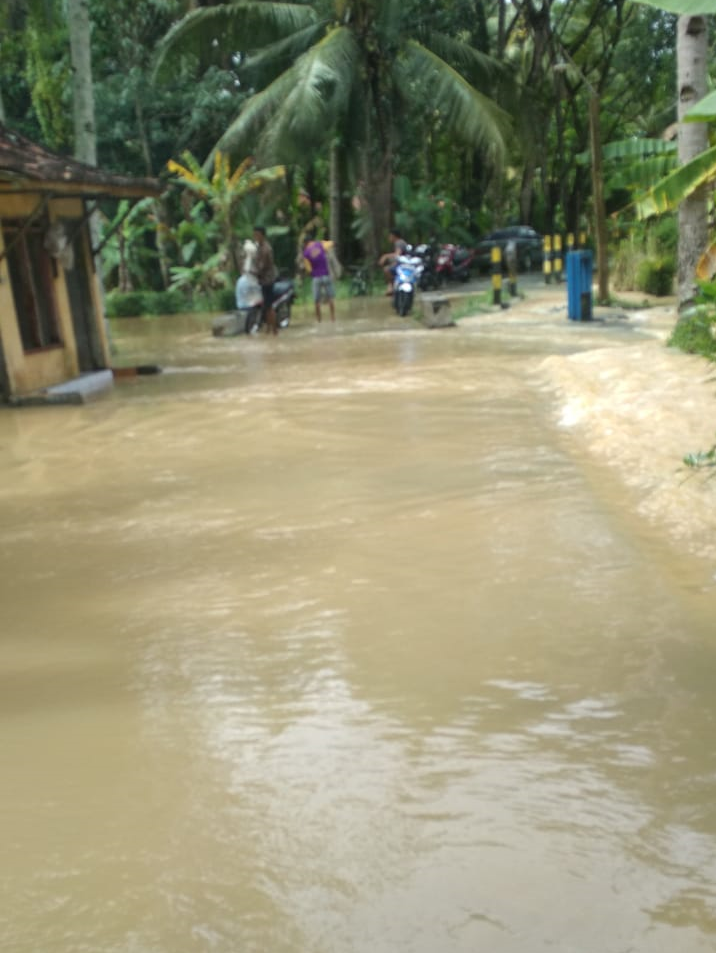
(53, 338)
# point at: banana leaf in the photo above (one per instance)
(689, 8)
(667, 194)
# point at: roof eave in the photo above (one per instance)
(79, 190)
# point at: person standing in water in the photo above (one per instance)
(317, 263)
(266, 274)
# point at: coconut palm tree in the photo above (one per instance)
(341, 73)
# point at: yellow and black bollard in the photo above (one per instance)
(570, 241)
(547, 258)
(496, 268)
(557, 243)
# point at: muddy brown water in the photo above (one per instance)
(334, 644)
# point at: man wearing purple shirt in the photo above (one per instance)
(316, 258)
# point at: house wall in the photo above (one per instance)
(28, 371)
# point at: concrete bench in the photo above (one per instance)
(436, 311)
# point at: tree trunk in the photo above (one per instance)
(78, 22)
(334, 199)
(600, 218)
(692, 62)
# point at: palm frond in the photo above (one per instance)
(478, 67)
(243, 24)
(468, 113)
(303, 103)
(266, 64)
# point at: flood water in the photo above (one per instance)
(336, 643)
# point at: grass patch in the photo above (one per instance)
(469, 305)
(694, 334)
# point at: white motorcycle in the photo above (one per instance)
(408, 270)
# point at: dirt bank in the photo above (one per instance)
(640, 408)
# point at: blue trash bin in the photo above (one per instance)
(579, 285)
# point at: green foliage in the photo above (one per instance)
(356, 72)
(203, 277)
(678, 185)
(221, 193)
(132, 304)
(422, 215)
(124, 304)
(655, 276)
(695, 331)
(702, 460)
(49, 78)
(466, 307)
(644, 259)
(128, 254)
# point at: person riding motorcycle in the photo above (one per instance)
(389, 260)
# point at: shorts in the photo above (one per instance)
(323, 286)
(268, 296)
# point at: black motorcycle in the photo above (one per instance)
(248, 320)
(431, 278)
(284, 294)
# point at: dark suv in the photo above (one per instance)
(529, 247)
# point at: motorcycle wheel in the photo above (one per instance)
(253, 320)
(405, 301)
(283, 316)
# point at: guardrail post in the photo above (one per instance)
(557, 240)
(547, 259)
(496, 268)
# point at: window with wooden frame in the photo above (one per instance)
(31, 277)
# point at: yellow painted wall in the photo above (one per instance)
(34, 370)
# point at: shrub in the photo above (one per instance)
(655, 276)
(124, 304)
(225, 299)
(164, 302)
(133, 304)
(694, 333)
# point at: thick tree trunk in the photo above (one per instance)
(380, 195)
(692, 62)
(78, 22)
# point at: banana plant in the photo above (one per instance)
(223, 191)
(127, 256)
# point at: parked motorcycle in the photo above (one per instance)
(430, 278)
(408, 270)
(247, 318)
(284, 294)
(455, 262)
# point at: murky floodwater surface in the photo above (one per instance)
(334, 644)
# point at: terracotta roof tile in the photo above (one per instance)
(27, 166)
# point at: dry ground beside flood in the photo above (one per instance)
(640, 408)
